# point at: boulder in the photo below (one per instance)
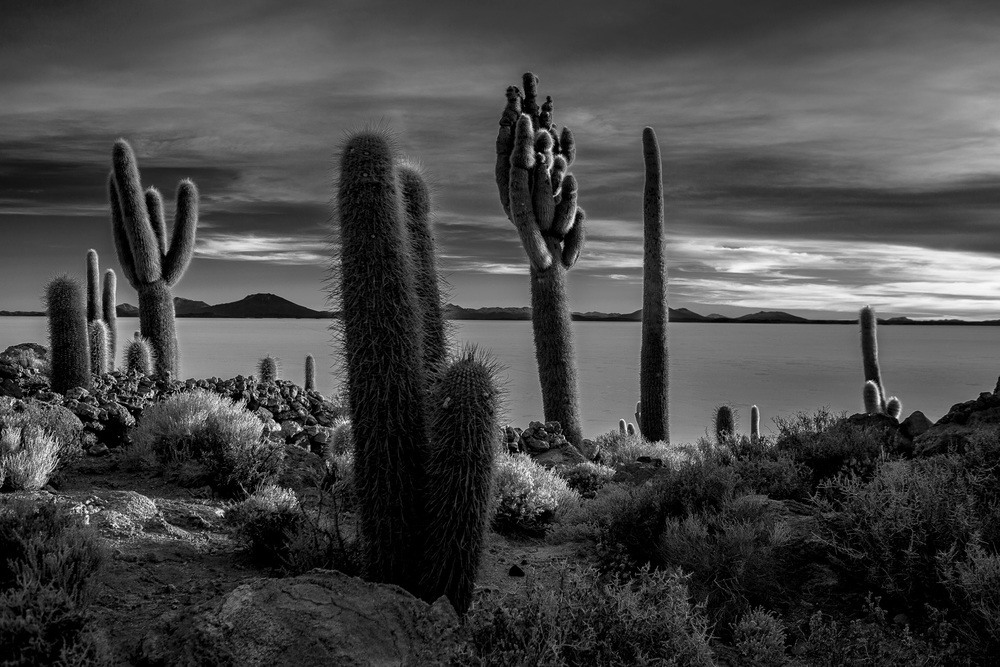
(27, 355)
(914, 425)
(951, 433)
(323, 617)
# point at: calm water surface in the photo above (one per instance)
(781, 368)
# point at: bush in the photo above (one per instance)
(28, 458)
(265, 522)
(56, 420)
(759, 639)
(648, 620)
(322, 537)
(223, 438)
(586, 477)
(526, 494)
(831, 446)
(975, 585)
(780, 477)
(618, 448)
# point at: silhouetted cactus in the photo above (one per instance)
(754, 423)
(417, 205)
(152, 266)
(869, 352)
(894, 408)
(94, 311)
(459, 473)
(872, 398)
(540, 197)
(725, 427)
(310, 373)
(654, 367)
(109, 302)
(99, 349)
(69, 343)
(267, 369)
(138, 356)
(384, 359)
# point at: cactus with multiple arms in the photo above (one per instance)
(869, 353)
(310, 373)
(108, 304)
(539, 196)
(151, 264)
(654, 370)
(69, 343)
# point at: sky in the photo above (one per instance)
(817, 156)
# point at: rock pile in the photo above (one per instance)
(547, 445)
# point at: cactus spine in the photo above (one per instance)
(654, 368)
(725, 427)
(151, 265)
(869, 354)
(465, 403)
(754, 423)
(69, 343)
(267, 369)
(99, 348)
(540, 197)
(310, 373)
(138, 356)
(108, 304)
(94, 311)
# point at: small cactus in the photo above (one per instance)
(872, 397)
(622, 426)
(267, 369)
(894, 408)
(94, 311)
(754, 423)
(725, 427)
(99, 348)
(310, 373)
(138, 356)
(69, 342)
(630, 429)
(108, 304)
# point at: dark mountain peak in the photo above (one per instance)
(771, 316)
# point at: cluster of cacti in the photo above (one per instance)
(539, 196)
(725, 426)
(101, 303)
(874, 393)
(139, 356)
(151, 263)
(409, 479)
(267, 369)
(69, 342)
(654, 368)
(626, 428)
(310, 383)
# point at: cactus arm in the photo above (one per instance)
(872, 398)
(530, 104)
(154, 206)
(565, 213)
(567, 146)
(141, 239)
(522, 163)
(573, 243)
(178, 258)
(122, 247)
(558, 174)
(505, 145)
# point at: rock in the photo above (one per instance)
(290, 428)
(100, 449)
(951, 433)
(563, 455)
(323, 617)
(515, 571)
(27, 355)
(590, 450)
(910, 428)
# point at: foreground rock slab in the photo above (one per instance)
(323, 617)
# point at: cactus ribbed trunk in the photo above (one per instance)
(156, 323)
(553, 328)
(69, 342)
(654, 366)
(109, 302)
(869, 351)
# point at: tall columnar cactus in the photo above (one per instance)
(540, 197)
(151, 264)
(138, 356)
(725, 427)
(69, 343)
(94, 311)
(459, 471)
(310, 373)
(99, 349)
(754, 423)
(267, 369)
(384, 359)
(869, 352)
(109, 302)
(417, 205)
(654, 367)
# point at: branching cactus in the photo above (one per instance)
(754, 423)
(151, 263)
(69, 343)
(539, 196)
(310, 373)
(725, 427)
(465, 403)
(138, 356)
(109, 302)
(654, 367)
(94, 311)
(99, 348)
(869, 354)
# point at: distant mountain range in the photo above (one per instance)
(273, 306)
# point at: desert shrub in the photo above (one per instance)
(526, 494)
(47, 572)
(28, 457)
(780, 477)
(220, 436)
(759, 639)
(830, 446)
(649, 620)
(586, 477)
(265, 521)
(618, 448)
(324, 533)
(974, 583)
(56, 420)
